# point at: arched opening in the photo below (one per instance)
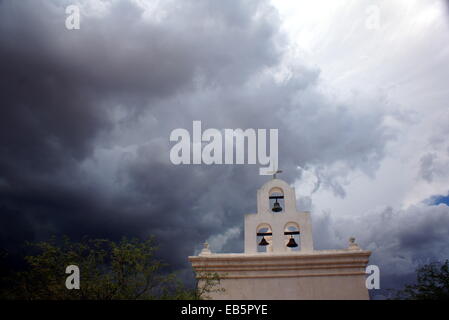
(276, 200)
(292, 238)
(264, 238)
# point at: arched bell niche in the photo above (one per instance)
(264, 238)
(276, 200)
(292, 239)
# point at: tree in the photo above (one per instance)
(432, 283)
(205, 283)
(109, 270)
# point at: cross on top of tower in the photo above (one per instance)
(275, 172)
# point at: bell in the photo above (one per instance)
(263, 242)
(276, 206)
(292, 243)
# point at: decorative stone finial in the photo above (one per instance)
(353, 245)
(205, 250)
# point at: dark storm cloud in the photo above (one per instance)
(61, 90)
(57, 84)
(86, 118)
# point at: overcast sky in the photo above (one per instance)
(357, 89)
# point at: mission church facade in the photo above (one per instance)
(279, 261)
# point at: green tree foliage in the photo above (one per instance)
(109, 270)
(432, 283)
(206, 283)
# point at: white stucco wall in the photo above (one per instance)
(338, 274)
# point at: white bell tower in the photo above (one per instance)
(277, 228)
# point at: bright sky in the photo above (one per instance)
(396, 49)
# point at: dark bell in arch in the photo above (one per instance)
(292, 243)
(276, 207)
(263, 242)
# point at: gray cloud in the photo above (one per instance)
(427, 164)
